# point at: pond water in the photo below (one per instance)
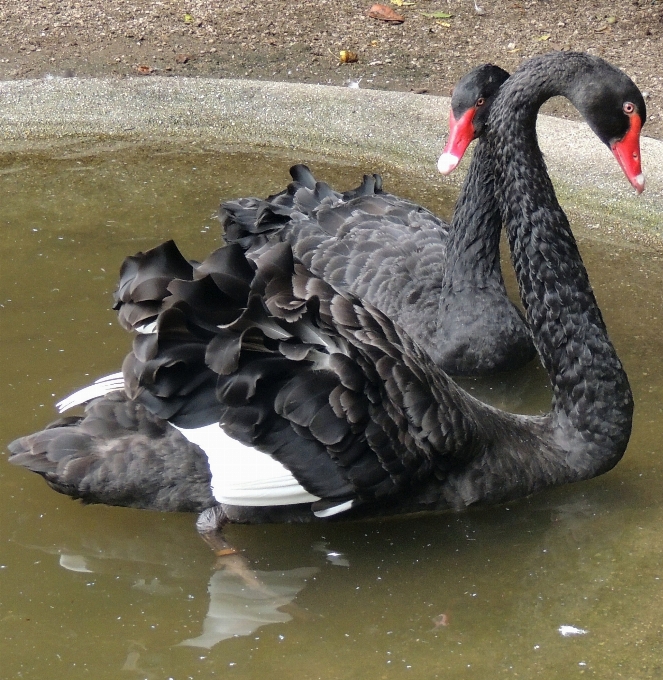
(568, 583)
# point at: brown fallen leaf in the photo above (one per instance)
(384, 13)
(143, 69)
(419, 90)
(348, 57)
(182, 58)
(440, 620)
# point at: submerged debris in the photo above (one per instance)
(571, 631)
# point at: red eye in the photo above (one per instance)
(628, 108)
(480, 102)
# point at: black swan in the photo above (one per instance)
(441, 283)
(329, 408)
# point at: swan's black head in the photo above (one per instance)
(470, 104)
(615, 109)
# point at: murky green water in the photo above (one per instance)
(96, 592)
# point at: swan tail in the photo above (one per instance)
(118, 453)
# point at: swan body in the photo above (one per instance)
(355, 411)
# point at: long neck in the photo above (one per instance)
(592, 402)
(473, 257)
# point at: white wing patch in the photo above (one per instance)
(146, 328)
(335, 509)
(101, 387)
(241, 475)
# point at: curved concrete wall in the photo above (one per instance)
(399, 129)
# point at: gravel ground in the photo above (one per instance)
(300, 41)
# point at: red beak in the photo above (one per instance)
(461, 133)
(627, 153)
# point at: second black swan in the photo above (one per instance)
(442, 283)
(265, 394)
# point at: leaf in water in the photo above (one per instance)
(402, 3)
(384, 13)
(188, 18)
(437, 15)
(542, 38)
(446, 24)
(440, 620)
(348, 57)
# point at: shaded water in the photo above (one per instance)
(109, 592)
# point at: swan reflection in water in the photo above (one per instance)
(241, 599)
(240, 602)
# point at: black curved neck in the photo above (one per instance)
(473, 257)
(592, 402)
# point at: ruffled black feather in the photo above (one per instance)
(323, 383)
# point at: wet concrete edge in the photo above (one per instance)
(401, 130)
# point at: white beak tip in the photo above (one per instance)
(639, 183)
(447, 163)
